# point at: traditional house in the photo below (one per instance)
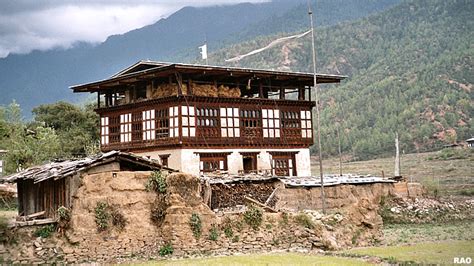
(201, 119)
(43, 189)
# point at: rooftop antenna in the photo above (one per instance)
(323, 203)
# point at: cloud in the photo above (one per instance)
(27, 25)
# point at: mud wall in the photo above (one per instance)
(357, 223)
(296, 199)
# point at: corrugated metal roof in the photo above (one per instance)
(66, 168)
(307, 181)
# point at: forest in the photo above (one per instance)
(410, 71)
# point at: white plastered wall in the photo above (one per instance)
(187, 160)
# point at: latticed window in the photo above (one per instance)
(104, 130)
(162, 123)
(306, 127)
(271, 123)
(290, 123)
(188, 121)
(208, 122)
(174, 122)
(126, 127)
(148, 124)
(230, 125)
(114, 129)
(210, 162)
(283, 163)
(251, 123)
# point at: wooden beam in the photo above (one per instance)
(265, 207)
(179, 79)
(282, 93)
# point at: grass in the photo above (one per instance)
(425, 253)
(268, 259)
(452, 176)
(397, 234)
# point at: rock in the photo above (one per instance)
(37, 244)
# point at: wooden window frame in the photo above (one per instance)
(148, 125)
(104, 131)
(207, 122)
(306, 124)
(271, 123)
(188, 121)
(281, 157)
(230, 122)
(126, 128)
(215, 158)
(162, 123)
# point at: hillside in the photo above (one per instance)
(44, 77)
(410, 71)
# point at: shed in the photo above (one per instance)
(470, 142)
(50, 186)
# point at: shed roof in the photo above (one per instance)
(152, 69)
(61, 169)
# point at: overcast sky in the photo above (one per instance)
(26, 25)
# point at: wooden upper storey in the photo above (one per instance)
(157, 105)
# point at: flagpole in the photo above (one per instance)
(323, 203)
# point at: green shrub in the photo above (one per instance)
(166, 250)
(305, 221)
(196, 225)
(102, 216)
(156, 182)
(253, 216)
(227, 225)
(213, 233)
(45, 231)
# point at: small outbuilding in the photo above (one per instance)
(45, 188)
(470, 142)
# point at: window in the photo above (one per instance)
(251, 123)
(126, 127)
(188, 121)
(271, 123)
(208, 122)
(164, 159)
(230, 126)
(290, 122)
(137, 127)
(174, 122)
(210, 162)
(114, 129)
(283, 163)
(162, 123)
(104, 130)
(148, 124)
(306, 128)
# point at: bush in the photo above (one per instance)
(45, 231)
(213, 233)
(166, 250)
(227, 225)
(253, 216)
(102, 216)
(305, 221)
(196, 225)
(156, 182)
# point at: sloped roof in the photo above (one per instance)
(143, 70)
(61, 169)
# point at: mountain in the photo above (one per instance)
(44, 77)
(410, 71)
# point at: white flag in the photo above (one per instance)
(203, 51)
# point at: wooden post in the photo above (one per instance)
(397, 156)
(260, 90)
(282, 93)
